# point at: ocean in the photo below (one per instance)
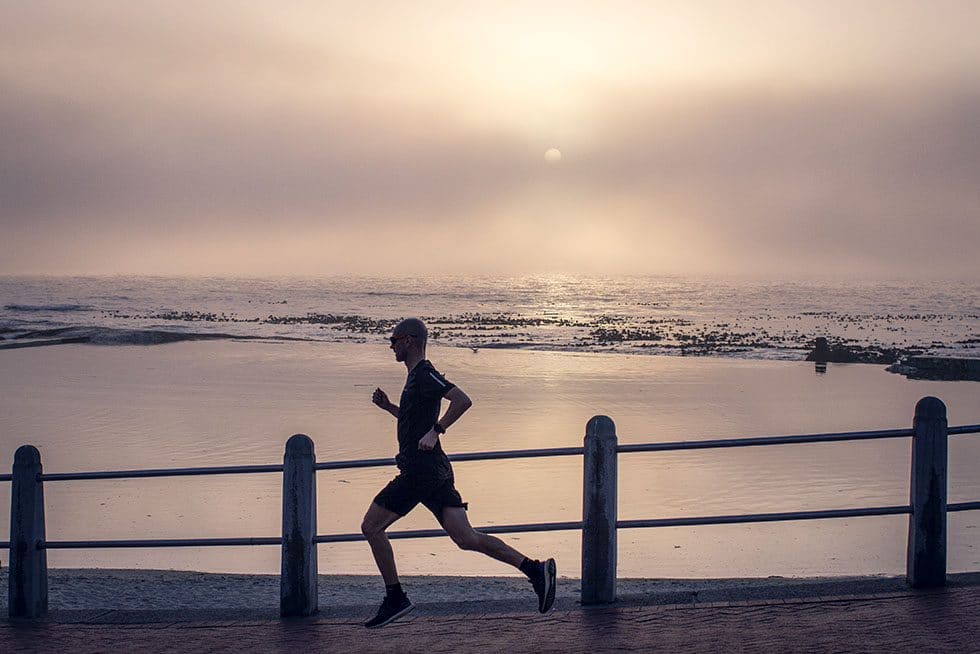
(194, 372)
(634, 315)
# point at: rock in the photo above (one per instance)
(823, 352)
(938, 368)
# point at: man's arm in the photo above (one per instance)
(459, 402)
(380, 398)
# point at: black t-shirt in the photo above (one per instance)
(418, 411)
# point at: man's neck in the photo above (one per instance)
(413, 360)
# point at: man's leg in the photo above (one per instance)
(376, 520)
(396, 602)
(457, 525)
(543, 575)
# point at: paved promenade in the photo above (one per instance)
(947, 620)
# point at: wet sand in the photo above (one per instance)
(235, 403)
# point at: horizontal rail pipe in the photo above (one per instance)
(787, 516)
(436, 533)
(466, 456)
(503, 454)
(963, 506)
(354, 463)
(161, 542)
(765, 440)
(163, 472)
(764, 517)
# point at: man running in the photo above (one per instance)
(425, 475)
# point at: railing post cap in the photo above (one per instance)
(27, 455)
(601, 427)
(299, 445)
(930, 407)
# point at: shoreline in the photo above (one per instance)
(907, 361)
(73, 589)
(672, 335)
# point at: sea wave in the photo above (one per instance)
(104, 336)
(38, 308)
(115, 336)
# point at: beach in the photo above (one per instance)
(227, 402)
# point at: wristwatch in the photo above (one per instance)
(439, 429)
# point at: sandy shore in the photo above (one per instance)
(86, 589)
(229, 403)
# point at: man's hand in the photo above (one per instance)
(429, 441)
(381, 399)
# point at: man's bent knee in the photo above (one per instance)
(468, 540)
(376, 521)
(372, 528)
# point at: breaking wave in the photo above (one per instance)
(114, 336)
(38, 308)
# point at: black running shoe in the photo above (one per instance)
(391, 609)
(544, 584)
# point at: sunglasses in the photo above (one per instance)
(395, 339)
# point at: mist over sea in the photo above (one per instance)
(180, 372)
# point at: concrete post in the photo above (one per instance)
(599, 513)
(298, 582)
(926, 562)
(27, 590)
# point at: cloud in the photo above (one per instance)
(152, 130)
(878, 173)
(153, 122)
(60, 159)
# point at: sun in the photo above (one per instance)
(552, 155)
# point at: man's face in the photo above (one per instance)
(400, 344)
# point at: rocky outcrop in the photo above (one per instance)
(938, 368)
(824, 352)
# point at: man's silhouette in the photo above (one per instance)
(426, 476)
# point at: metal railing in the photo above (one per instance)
(926, 563)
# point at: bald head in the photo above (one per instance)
(413, 327)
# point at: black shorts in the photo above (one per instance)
(404, 492)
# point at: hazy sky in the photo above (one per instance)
(775, 138)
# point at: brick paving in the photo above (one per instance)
(947, 620)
